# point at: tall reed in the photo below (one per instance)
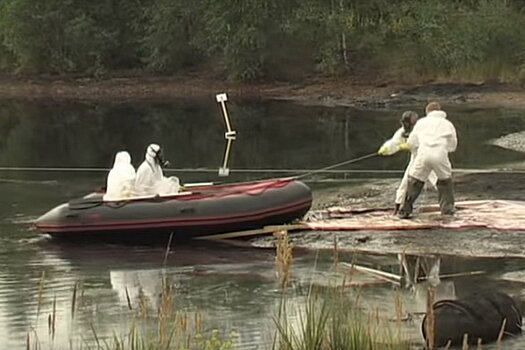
(283, 256)
(335, 321)
(336, 253)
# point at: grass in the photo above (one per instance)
(334, 321)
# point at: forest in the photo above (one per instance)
(267, 40)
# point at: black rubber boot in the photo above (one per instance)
(396, 208)
(414, 188)
(446, 196)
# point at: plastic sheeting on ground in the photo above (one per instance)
(490, 214)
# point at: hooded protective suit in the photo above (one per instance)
(392, 146)
(434, 137)
(121, 178)
(150, 179)
(408, 120)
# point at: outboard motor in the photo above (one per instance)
(481, 316)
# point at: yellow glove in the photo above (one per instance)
(404, 146)
(383, 151)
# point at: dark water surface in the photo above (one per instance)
(275, 135)
(234, 288)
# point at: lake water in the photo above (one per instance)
(233, 288)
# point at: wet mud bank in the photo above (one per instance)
(447, 242)
(348, 91)
(505, 185)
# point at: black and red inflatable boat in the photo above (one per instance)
(201, 210)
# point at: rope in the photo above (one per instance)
(306, 172)
(169, 170)
(339, 164)
(325, 169)
(14, 168)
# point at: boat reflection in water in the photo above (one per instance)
(131, 286)
(210, 283)
(229, 288)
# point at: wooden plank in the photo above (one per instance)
(255, 232)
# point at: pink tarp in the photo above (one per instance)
(494, 214)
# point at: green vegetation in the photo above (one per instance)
(335, 321)
(333, 318)
(412, 40)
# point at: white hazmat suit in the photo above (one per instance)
(150, 179)
(390, 147)
(434, 137)
(121, 178)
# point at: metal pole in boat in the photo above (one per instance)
(229, 135)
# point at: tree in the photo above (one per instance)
(169, 34)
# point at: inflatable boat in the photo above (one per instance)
(200, 210)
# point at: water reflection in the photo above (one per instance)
(218, 282)
(273, 135)
(233, 288)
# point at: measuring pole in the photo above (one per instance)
(229, 135)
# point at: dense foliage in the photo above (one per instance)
(267, 39)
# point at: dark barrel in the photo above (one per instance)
(479, 315)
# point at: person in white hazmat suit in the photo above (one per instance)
(121, 178)
(391, 146)
(150, 178)
(434, 137)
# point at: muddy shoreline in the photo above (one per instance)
(468, 243)
(348, 92)
(381, 193)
